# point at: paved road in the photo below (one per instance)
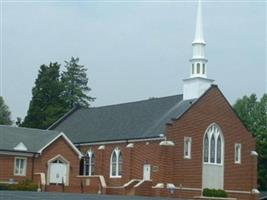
(18, 195)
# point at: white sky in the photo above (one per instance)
(133, 49)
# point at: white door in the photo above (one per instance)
(58, 173)
(147, 169)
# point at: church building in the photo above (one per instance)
(173, 146)
(170, 146)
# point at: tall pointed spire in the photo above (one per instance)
(198, 61)
(199, 36)
(198, 82)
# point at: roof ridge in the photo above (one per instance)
(131, 102)
(26, 128)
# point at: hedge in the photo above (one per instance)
(214, 193)
(25, 185)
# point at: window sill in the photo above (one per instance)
(19, 174)
(187, 157)
(215, 164)
(115, 176)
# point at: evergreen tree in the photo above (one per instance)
(5, 118)
(253, 113)
(75, 81)
(47, 104)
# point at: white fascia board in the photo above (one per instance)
(121, 141)
(67, 139)
(16, 153)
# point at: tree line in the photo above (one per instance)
(56, 93)
(53, 95)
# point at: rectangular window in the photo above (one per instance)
(187, 147)
(237, 153)
(20, 166)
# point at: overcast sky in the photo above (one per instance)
(133, 49)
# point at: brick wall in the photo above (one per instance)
(7, 163)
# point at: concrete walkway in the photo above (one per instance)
(21, 195)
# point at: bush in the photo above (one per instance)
(25, 185)
(3, 186)
(214, 193)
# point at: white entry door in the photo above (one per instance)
(58, 172)
(147, 169)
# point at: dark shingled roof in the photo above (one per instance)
(135, 120)
(33, 139)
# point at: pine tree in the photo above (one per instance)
(5, 118)
(47, 104)
(75, 81)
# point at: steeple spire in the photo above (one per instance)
(198, 61)
(198, 82)
(199, 36)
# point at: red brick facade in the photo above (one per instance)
(168, 165)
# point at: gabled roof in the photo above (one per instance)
(134, 120)
(29, 140)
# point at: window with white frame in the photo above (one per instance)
(20, 166)
(213, 145)
(116, 163)
(187, 147)
(89, 164)
(237, 153)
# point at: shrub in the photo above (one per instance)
(25, 185)
(3, 186)
(214, 193)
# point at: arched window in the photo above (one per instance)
(198, 68)
(213, 145)
(203, 68)
(219, 149)
(116, 163)
(212, 149)
(193, 69)
(206, 148)
(89, 164)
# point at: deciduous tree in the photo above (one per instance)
(253, 113)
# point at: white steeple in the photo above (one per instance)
(198, 83)
(198, 61)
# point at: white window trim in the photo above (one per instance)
(214, 129)
(90, 154)
(24, 169)
(239, 153)
(117, 152)
(189, 139)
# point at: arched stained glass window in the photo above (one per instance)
(213, 145)
(219, 150)
(116, 163)
(206, 149)
(89, 164)
(212, 149)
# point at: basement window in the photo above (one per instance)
(20, 166)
